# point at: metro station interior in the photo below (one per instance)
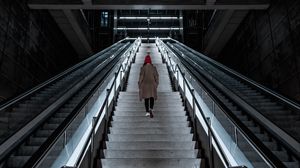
(228, 86)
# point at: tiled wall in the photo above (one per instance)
(32, 48)
(266, 48)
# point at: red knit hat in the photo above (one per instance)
(148, 59)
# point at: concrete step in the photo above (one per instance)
(150, 163)
(149, 145)
(158, 101)
(172, 108)
(153, 137)
(156, 130)
(157, 113)
(158, 93)
(159, 98)
(180, 154)
(172, 105)
(159, 88)
(155, 118)
(148, 124)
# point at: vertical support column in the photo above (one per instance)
(106, 111)
(194, 113)
(121, 82)
(184, 89)
(92, 142)
(210, 147)
(115, 88)
(115, 25)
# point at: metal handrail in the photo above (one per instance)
(282, 98)
(104, 105)
(63, 127)
(12, 143)
(51, 80)
(254, 142)
(43, 151)
(288, 144)
(224, 158)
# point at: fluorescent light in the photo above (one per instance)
(164, 18)
(151, 28)
(128, 18)
(151, 38)
(153, 18)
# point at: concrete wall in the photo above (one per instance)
(266, 48)
(32, 48)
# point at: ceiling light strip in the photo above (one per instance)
(145, 18)
(151, 28)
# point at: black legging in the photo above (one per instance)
(151, 99)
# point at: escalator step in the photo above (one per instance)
(36, 141)
(26, 150)
(17, 161)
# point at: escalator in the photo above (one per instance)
(270, 121)
(32, 121)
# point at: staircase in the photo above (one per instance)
(137, 141)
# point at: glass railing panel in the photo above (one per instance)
(233, 142)
(80, 128)
(23, 110)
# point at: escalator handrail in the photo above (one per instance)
(51, 80)
(289, 141)
(245, 132)
(270, 92)
(20, 140)
(46, 147)
(289, 146)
